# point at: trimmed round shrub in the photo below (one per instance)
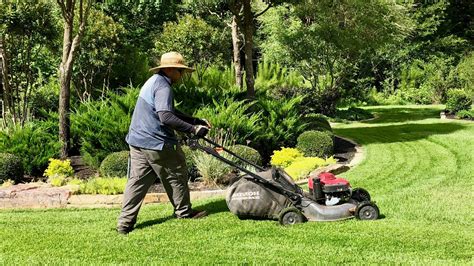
(11, 167)
(248, 153)
(316, 144)
(115, 164)
(317, 122)
(458, 100)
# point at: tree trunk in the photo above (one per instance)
(69, 48)
(248, 35)
(236, 43)
(7, 94)
(65, 91)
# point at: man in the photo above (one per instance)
(154, 149)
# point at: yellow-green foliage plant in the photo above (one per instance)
(105, 186)
(301, 167)
(58, 171)
(285, 156)
(59, 168)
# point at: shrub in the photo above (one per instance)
(281, 124)
(59, 168)
(318, 122)
(11, 167)
(101, 126)
(235, 117)
(354, 114)
(285, 156)
(458, 100)
(303, 166)
(248, 153)
(34, 143)
(115, 164)
(105, 186)
(316, 143)
(7, 183)
(57, 180)
(212, 170)
(465, 114)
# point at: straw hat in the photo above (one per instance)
(172, 60)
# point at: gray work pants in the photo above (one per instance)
(146, 165)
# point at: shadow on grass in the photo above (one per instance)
(402, 114)
(213, 207)
(398, 133)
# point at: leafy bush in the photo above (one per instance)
(354, 114)
(281, 124)
(99, 185)
(316, 143)
(212, 170)
(285, 156)
(58, 167)
(115, 164)
(35, 143)
(11, 167)
(303, 166)
(57, 180)
(465, 114)
(7, 183)
(318, 122)
(246, 152)
(235, 117)
(458, 100)
(273, 76)
(101, 126)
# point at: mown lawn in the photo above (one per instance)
(419, 169)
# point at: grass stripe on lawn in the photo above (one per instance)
(418, 168)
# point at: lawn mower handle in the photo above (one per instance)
(193, 143)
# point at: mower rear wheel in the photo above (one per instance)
(367, 211)
(360, 195)
(290, 216)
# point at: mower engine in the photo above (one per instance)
(330, 190)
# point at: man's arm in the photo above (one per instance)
(186, 118)
(170, 119)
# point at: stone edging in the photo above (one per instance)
(94, 201)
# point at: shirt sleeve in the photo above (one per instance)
(171, 120)
(164, 99)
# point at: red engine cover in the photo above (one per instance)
(327, 178)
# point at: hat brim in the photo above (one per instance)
(189, 69)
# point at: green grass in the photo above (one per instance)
(418, 168)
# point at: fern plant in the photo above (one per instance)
(282, 124)
(101, 126)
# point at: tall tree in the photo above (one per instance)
(27, 36)
(244, 14)
(70, 45)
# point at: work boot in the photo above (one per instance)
(195, 214)
(123, 231)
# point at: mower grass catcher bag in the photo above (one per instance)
(249, 199)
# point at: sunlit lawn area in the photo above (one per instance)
(418, 168)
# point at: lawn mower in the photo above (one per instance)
(272, 193)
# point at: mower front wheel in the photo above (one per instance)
(367, 211)
(290, 216)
